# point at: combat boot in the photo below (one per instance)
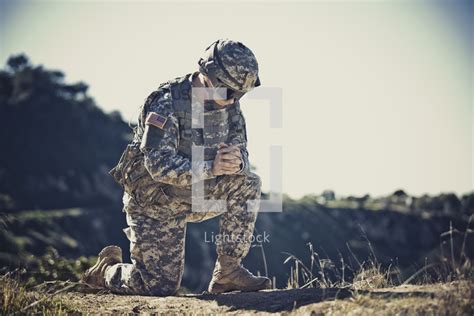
(108, 256)
(230, 275)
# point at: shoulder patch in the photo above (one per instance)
(156, 120)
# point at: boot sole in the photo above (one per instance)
(223, 288)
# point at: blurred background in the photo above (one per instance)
(377, 132)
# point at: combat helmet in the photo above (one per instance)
(232, 65)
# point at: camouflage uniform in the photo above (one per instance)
(157, 174)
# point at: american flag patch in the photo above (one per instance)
(155, 119)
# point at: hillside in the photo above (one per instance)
(57, 144)
(59, 207)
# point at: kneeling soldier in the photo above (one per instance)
(158, 175)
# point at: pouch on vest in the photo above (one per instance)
(128, 169)
(132, 175)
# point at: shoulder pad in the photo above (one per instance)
(178, 79)
(161, 102)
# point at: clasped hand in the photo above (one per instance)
(227, 160)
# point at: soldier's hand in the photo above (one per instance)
(227, 160)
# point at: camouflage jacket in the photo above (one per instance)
(159, 157)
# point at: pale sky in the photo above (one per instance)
(377, 95)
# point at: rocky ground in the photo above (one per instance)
(454, 298)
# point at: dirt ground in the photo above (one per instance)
(439, 299)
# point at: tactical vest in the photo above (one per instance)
(217, 123)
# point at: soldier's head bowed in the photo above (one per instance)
(232, 65)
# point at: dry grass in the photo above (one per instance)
(438, 299)
(441, 288)
(16, 299)
(453, 265)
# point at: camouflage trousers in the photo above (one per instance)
(157, 236)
